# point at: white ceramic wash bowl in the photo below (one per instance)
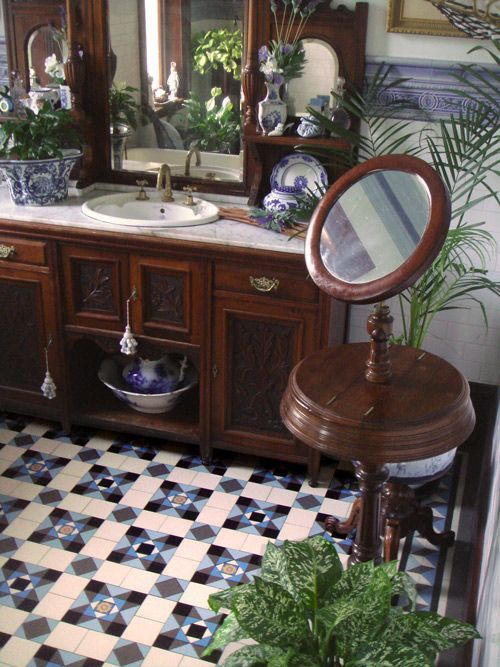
(210, 173)
(125, 209)
(111, 374)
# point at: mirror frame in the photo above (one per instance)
(414, 266)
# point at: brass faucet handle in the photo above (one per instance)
(189, 189)
(141, 195)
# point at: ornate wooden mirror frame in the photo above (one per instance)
(344, 30)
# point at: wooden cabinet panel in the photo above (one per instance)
(256, 344)
(96, 286)
(171, 297)
(15, 250)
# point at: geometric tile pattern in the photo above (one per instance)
(139, 575)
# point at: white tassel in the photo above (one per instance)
(128, 344)
(182, 371)
(48, 385)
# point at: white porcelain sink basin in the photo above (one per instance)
(125, 209)
(209, 173)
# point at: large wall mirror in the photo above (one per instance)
(180, 61)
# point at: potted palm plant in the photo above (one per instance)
(37, 153)
(304, 610)
(123, 118)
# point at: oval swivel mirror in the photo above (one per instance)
(378, 228)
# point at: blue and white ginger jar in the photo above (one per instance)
(283, 198)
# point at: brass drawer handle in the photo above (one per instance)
(6, 251)
(264, 284)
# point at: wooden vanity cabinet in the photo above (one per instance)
(28, 321)
(244, 318)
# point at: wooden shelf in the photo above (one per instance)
(329, 142)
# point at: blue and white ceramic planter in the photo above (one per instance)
(271, 110)
(39, 182)
(282, 199)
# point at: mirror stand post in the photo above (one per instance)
(379, 327)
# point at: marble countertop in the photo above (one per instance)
(223, 232)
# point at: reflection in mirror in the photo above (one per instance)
(45, 55)
(315, 80)
(375, 226)
(180, 64)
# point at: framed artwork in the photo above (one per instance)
(418, 17)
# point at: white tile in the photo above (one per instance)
(147, 484)
(96, 645)
(169, 456)
(53, 606)
(101, 509)
(156, 609)
(98, 548)
(174, 525)
(339, 508)
(20, 528)
(8, 485)
(101, 442)
(57, 559)
(232, 539)
(66, 636)
(11, 619)
(37, 428)
(27, 490)
(77, 468)
(255, 544)
(74, 502)
(11, 453)
(135, 498)
(36, 512)
(182, 475)
(206, 480)
(156, 657)
(223, 501)
(131, 464)
(291, 532)
(31, 552)
(140, 580)
(111, 530)
(45, 445)
(18, 652)
(282, 496)
(192, 549)
(149, 520)
(143, 630)
(212, 516)
(187, 661)
(111, 460)
(239, 472)
(112, 573)
(197, 595)
(63, 482)
(69, 585)
(301, 517)
(256, 491)
(66, 450)
(182, 568)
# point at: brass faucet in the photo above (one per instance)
(164, 182)
(193, 150)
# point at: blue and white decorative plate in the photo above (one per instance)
(301, 171)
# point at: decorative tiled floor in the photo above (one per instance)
(111, 545)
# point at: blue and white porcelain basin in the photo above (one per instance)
(125, 209)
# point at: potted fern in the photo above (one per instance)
(37, 153)
(123, 118)
(305, 611)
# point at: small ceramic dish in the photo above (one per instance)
(111, 374)
(300, 171)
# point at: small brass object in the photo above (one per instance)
(264, 284)
(141, 195)
(193, 150)
(189, 201)
(6, 251)
(164, 182)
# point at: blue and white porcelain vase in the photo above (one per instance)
(282, 199)
(39, 182)
(271, 110)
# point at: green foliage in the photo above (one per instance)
(305, 611)
(122, 106)
(39, 136)
(464, 150)
(214, 128)
(218, 48)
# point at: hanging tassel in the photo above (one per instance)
(128, 344)
(182, 370)
(48, 386)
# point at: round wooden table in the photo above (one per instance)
(424, 410)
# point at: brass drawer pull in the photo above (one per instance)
(6, 251)
(264, 284)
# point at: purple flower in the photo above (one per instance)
(310, 7)
(285, 49)
(278, 78)
(263, 54)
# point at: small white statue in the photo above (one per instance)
(173, 82)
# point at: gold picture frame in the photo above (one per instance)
(418, 17)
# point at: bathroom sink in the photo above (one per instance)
(125, 209)
(210, 173)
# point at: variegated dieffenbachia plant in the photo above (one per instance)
(304, 610)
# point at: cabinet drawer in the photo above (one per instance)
(23, 251)
(266, 281)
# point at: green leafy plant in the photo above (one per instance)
(213, 127)
(39, 136)
(464, 150)
(305, 611)
(218, 48)
(123, 108)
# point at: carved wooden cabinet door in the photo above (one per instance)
(28, 320)
(96, 286)
(256, 343)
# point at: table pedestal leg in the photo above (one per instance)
(367, 543)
